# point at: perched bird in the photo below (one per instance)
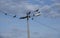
(33, 14)
(14, 16)
(32, 18)
(36, 10)
(29, 12)
(5, 13)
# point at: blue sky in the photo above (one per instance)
(47, 25)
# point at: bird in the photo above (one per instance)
(29, 13)
(32, 18)
(36, 10)
(5, 13)
(14, 16)
(33, 14)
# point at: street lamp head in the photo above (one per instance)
(24, 17)
(37, 14)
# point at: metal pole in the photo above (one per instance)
(28, 30)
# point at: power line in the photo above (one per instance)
(27, 17)
(47, 26)
(32, 19)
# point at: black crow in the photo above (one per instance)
(32, 18)
(5, 13)
(14, 16)
(29, 13)
(37, 10)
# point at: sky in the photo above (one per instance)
(47, 25)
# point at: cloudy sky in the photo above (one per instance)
(47, 25)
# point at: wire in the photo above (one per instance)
(47, 26)
(5, 13)
(37, 22)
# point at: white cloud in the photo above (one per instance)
(16, 7)
(13, 33)
(56, 1)
(52, 10)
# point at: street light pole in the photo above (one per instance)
(28, 28)
(27, 17)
